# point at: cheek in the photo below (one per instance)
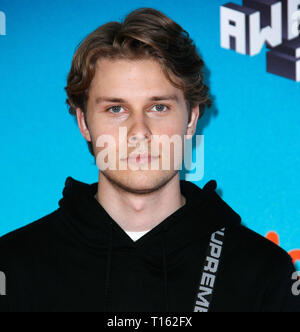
(102, 137)
(99, 127)
(173, 145)
(172, 128)
(177, 124)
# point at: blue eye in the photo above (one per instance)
(115, 109)
(160, 108)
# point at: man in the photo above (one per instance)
(140, 239)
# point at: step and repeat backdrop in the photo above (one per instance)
(251, 49)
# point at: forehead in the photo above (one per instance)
(132, 77)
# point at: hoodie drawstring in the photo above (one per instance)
(164, 244)
(108, 270)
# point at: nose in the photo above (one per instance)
(139, 132)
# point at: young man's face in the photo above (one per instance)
(122, 95)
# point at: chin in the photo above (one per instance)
(139, 182)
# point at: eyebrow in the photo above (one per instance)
(121, 100)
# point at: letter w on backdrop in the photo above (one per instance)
(276, 23)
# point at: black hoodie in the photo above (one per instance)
(199, 258)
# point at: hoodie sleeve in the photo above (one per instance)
(283, 287)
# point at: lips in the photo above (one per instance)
(141, 158)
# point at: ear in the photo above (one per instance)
(82, 124)
(191, 128)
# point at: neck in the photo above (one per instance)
(139, 212)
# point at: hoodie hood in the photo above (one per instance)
(204, 213)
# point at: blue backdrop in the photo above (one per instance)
(252, 146)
